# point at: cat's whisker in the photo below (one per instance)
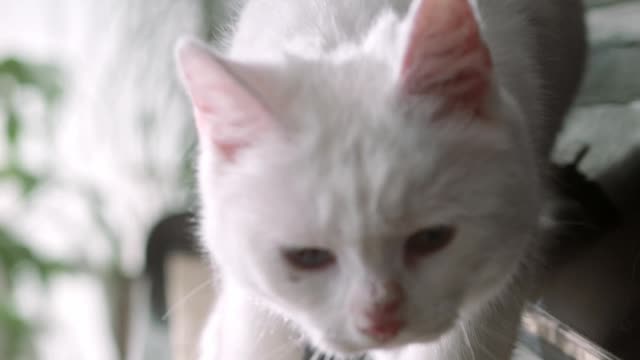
(463, 327)
(315, 355)
(485, 350)
(186, 298)
(276, 352)
(494, 334)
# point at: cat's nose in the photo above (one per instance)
(387, 299)
(383, 319)
(384, 309)
(383, 329)
(382, 316)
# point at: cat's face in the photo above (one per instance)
(370, 210)
(374, 209)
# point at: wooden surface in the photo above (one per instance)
(190, 298)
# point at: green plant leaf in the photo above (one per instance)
(48, 268)
(46, 78)
(14, 257)
(14, 127)
(17, 329)
(28, 181)
(11, 254)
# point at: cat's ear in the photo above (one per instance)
(228, 113)
(445, 55)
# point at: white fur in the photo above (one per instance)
(352, 168)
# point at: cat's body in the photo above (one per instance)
(371, 172)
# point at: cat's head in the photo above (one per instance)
(374, 198)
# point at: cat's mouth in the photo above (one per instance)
(358, 345)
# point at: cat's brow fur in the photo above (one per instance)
(351, 164)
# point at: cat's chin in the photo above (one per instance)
(342, 348)
(350, 348)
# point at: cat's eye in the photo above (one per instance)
(429, 240)
(309, 258)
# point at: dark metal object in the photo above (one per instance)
(586, 213)
(175, 233)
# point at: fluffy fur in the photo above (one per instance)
(309, 138)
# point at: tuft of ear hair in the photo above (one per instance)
(446, 56)
(228, 113)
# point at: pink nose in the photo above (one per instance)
(387, 302)
(383, 330)
(383, 322)
(385, 309)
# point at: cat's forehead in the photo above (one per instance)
(340, 87)
(344, 110)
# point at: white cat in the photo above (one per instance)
(371, 172)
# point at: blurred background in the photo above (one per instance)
(96, 150)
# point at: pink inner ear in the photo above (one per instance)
(446, 55)
(227, 113)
